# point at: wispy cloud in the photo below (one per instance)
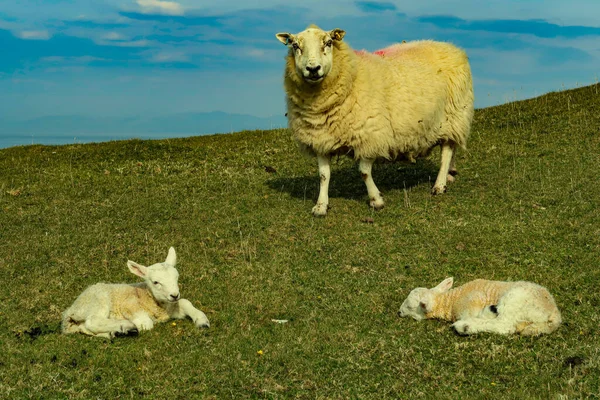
(33, 35)
(169, 57)
(529, 27)
(113, 36)
(160, 7)
(375, 6)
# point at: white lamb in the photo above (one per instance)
(109, 310)
(486, 306)
(397, 103)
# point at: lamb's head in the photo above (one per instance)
(161, 278)
(411, 307)
(313, 51)
(421, 301)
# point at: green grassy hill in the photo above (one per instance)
(524, 207)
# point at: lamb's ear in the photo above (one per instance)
(285, 38)
(337, 34)
(171, 257)
(137, 269)
(445, 285)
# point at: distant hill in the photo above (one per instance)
(184, 123)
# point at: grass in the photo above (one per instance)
(524, 207)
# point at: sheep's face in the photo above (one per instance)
(313, 52)
(161, 278)
(413, 305)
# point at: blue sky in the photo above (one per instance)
(152, 57)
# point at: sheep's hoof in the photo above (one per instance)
(438, 190)
(461, 328)
(377, 204)
(131, 332)
(450, 178)
(320, 210)
(203, 325)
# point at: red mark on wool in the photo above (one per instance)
(380, 52)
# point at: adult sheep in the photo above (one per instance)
(397, 103)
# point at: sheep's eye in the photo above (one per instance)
(295, 46)
(156, 282)
(329, 43)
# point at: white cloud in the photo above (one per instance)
(160, 6)
(113, 36)
(33, 35)
(169, 57)
(131, 43)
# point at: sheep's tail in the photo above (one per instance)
(538, 328)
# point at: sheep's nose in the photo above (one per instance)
(312, 70)
(175, 296)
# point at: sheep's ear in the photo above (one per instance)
(285, 38)
(445, 285)
(137, 269)
(171, 257)
(337, 34)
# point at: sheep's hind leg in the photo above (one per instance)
(106, 327)
(448, 149)
(474, 325)
(452, 171)
(320, 209)
(365, 166)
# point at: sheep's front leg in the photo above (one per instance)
(143, 321)
(320, 209)
(365, 166)
(186, 309)
(106, 327)
(447, 158)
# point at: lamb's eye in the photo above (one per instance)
(295, 46)
(329, 43)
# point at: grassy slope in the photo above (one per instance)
(523, 208)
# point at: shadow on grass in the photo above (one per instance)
(346, 181)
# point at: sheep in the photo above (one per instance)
(395, 104)
(108, 310)
(486, 306)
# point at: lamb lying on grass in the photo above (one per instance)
(395, 104)
(109, 310)
(486, 306)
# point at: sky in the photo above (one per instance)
(119, 58)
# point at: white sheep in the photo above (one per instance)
(109, 310)
(486, 306)
(397, 103)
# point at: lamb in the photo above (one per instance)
(486, 306)
(395, 104)
(109, 310)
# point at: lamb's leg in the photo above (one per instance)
(186, 309)
(447, 154)
(142, 321)
(106, 327)
(320, 210)
(365, 166)
(499, 325)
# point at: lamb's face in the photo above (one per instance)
(412, 305)
(162, 279)
(313, 52)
